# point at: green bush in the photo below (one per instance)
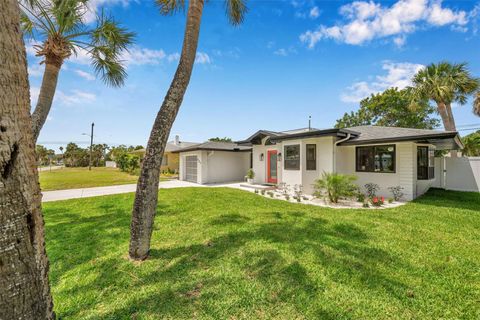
(335, 186)
(128, 162)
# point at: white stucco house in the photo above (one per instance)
(214, 162)
(387, 156)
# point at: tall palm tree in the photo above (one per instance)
(146, 196)
(24, 288)
(60, 24)
(445, 83)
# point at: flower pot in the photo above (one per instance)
(250, 180)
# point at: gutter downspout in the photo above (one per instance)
(335, 151)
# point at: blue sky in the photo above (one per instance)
(288, 60)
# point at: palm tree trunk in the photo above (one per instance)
(442, 110)
(146, 196)
(24, 289)
(47, 92)
(453, 127)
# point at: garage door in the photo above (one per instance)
(191, 168)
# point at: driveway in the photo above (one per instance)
(126, 188)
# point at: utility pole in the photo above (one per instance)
(91, 145)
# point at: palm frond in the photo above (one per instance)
(109, 33)
(69, 14)
(26, 24)
(108, 66)
(476, 104)
(236, 10)
(169, 7)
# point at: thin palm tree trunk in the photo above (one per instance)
(146, 196)
(24, 288)
(442, 110)
(453, 127)
(47, 92)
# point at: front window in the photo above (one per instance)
(425, 163)
(292, 157)
(375, 159)
(311, 157)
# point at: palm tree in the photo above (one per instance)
(64, 32)
(147, 187)
(476, 104)
(471, 145)
(24, 288)
(445, 83)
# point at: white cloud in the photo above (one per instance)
(400, 41)
(284, 52)
(173, 57)
(365, 21)
(86, 75)
(142, 56)
(34, 92)
(314, 13)
(397, 75)
(202, 58)
(75, 97)
(35, 69)
(93, 7)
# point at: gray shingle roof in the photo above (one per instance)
(379, 133)
(215, 145)
(171, 146)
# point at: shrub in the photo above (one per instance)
(360, 197)
(256, 191)
(287, 197)
(377, 202)
(396, 192)
(335, 186)
(250, 174)
(262, 192)
(128, 162)
(372, 189)
(270, 193)
(366, 205)
(390, 200)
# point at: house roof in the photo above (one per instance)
(171, 146)
(276, 136)
(379, 134)
(364, 135)
(215, 146)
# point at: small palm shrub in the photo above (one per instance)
(250, 174)
(335, 186)
(372, 189)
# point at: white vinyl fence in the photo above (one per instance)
(461, 174)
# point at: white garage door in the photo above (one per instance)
(191, 168)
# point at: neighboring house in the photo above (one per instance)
(170, 160)
(214, 162)
(386, 156)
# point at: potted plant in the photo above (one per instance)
(250, 175)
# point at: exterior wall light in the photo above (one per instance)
(279, 157)
(261, 156)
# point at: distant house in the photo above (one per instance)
(386, 156)
(170, 161)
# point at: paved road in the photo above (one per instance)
(126, 188)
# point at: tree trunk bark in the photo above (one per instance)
(24, 289)
(47, 92)
(453, 127)
(442, 110)
(146, 196)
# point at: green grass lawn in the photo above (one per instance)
(221, 253)
(72, 178)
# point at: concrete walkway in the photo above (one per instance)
(126, 188)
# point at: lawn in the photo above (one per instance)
(221, 253)
(72, 178)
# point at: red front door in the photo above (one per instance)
(272, 166)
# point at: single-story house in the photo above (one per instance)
(214, 162)
(170, 160)
(387, 156)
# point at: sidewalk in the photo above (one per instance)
(126, 188)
